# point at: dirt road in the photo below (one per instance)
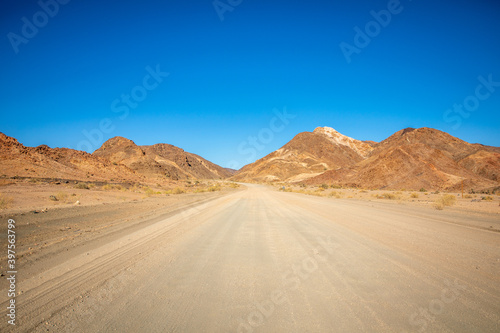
(259, 260)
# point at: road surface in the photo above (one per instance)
(259, 260)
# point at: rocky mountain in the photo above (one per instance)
(410, 159)
(159, 160)
(308, 154)
(118, 159)
(44, 162)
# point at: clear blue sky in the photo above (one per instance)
(225, 77)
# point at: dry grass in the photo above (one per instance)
(61, 196)
(5, 201)
(82, 186)
(389, 196)
(178, 190)
(414, 195)
(335, 194)
(444, 201)
(149, 192)
(214, 188)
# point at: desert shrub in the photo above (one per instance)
(149, 192)
(445, 200)
(437, 192)
(5, 201)
(177, 190)
(61, 196)
(214, 188)
(335, 194)
(324, 186)
(107, 187)
(335, 186)
(467, 196)
(487, 198)
(387, 195)
(423, 190)
(82, 186)
(438, 205)
(449, 199)
(414, 195)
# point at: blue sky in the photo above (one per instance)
(66, 71)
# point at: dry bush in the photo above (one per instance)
(335, 194)
(487, 198)
(178, 190)
(149, 192)
(445, 200)
(387, 195)
(61, 196)
(214, 188)
(82, 186)
(438, 205)
(5, 201)
(107, 187)
(414, 195)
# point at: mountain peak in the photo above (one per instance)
(360, 147)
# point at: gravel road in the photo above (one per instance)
(259, 260)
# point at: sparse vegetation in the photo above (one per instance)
(110, 187)
(423, 190)
(214, 188)
(233, 185)
(149, 192)
(5, 201)
(445, 200)
(61, 196)
(487, 198)
(335, 194)
(324, 186)
(387, 195)
(82, 186)
(414, 195)
(178, 190)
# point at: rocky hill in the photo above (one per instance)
(410, 159)
(119, 159)
(160, 160)
(44, 162)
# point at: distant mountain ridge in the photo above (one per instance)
(410, 159)
(160, 160)
(118, 159)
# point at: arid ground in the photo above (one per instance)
(257, 259)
